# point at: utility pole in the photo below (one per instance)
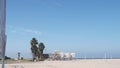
(2, 30)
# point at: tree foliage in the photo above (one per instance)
(41, 47)
(34, 42)
(37, 49)
(34, 48)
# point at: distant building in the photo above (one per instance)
(61, 56)
(46, 55)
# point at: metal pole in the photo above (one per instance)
(3, 55)
(2, 30)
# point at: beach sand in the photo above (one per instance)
(92, 63)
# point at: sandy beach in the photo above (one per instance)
(94, 63)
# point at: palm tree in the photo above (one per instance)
(41, 48)
(34, 42)
(18, 55)
(34, 48)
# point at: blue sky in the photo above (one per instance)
(84, 26)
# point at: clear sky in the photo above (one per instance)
(82, 26)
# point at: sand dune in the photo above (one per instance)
(99, 63)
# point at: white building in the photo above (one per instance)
(61, 56)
